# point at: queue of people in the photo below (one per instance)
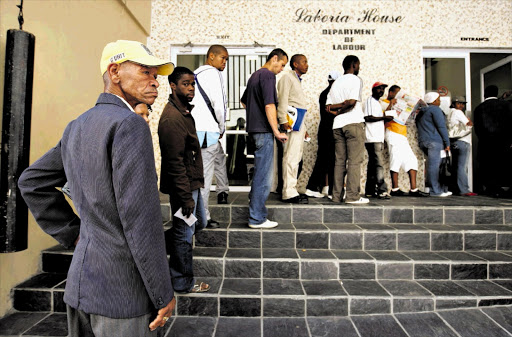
(119, 281)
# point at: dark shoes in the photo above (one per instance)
(222, 198)
(398, 193)
(418, 193)
(300, 199)
(212, 224)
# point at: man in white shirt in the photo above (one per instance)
(344, 100)
(375, 118)
(460, 147)
(210, 108)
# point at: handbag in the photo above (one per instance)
(458, 129)
(445, 170)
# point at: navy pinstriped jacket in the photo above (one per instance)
(119, 267)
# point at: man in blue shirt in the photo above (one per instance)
(433, 138)
(260, 102)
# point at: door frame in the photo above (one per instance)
(489, 68)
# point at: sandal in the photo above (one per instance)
(200, 288)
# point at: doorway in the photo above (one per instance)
(456, 72)
(242, 62)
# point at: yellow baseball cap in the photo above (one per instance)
(124, 50)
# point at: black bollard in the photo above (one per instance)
(19, 77)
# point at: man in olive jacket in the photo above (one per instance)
(182, 177)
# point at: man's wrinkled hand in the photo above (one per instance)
(163, 315)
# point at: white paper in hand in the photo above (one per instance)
(189, 221)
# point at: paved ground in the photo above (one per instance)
(486, 322)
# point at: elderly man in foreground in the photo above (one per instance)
(118, 283)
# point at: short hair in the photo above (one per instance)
(295, 58)
(491, 91)
(178, 73)
(216, 49)
(348, 61)
(393, 87)
(279, 52)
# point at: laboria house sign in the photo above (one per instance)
(354, 27)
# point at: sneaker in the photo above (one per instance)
(325, 190)
(314, 194)
(419, 193)
(212, 224)
(384, 195)
(266, 224)
(398, 193)
(449, 193)
(360, 201)
(470, 194)
(442, 195)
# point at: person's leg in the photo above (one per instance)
(262, 178)
(208, 155)
(382, 187)
(340, 162)
(355, 135)
(461, 162)
(433, 151)
(179, 247)
(371, 179)
(220, 170)
(292, 155)
(126, 327)
(394, 179)
(79, 323)
(412, 178)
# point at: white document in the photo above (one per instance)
(445, 153)
(189, 221)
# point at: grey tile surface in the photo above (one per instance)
(316, 254)
(392, 271)
(331, 326)
(428, 215)
(327, 306)
(357, 271)
(431, 271)
(367, 306)
(281, 269)
(197, 306)
(501, 315)
(445, 288)
(368, 215)
(413, 304)
(307, 214)
(413, 241)
(249, 253)
(453, 216)
(242, 268)
(425, 325)
(338, 215)
(278, 240)
(280, 327)
(489, 216)
(352, 255)
(283, 307)
(405, 288)
(312, 240)
(244, 239)
(16, 323)
(346, 240)
(323, 288)
(273, 253)
(472, 323)
(378, 326)
(469, 271)
(238, 326)
(379, 241)
(398, 215)
(313, 270)
(282, 287)
(446, 241)
(54, 325)
(241, 307)
(484, 241)
(364, 288)
(238, 286)
(201, 326)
